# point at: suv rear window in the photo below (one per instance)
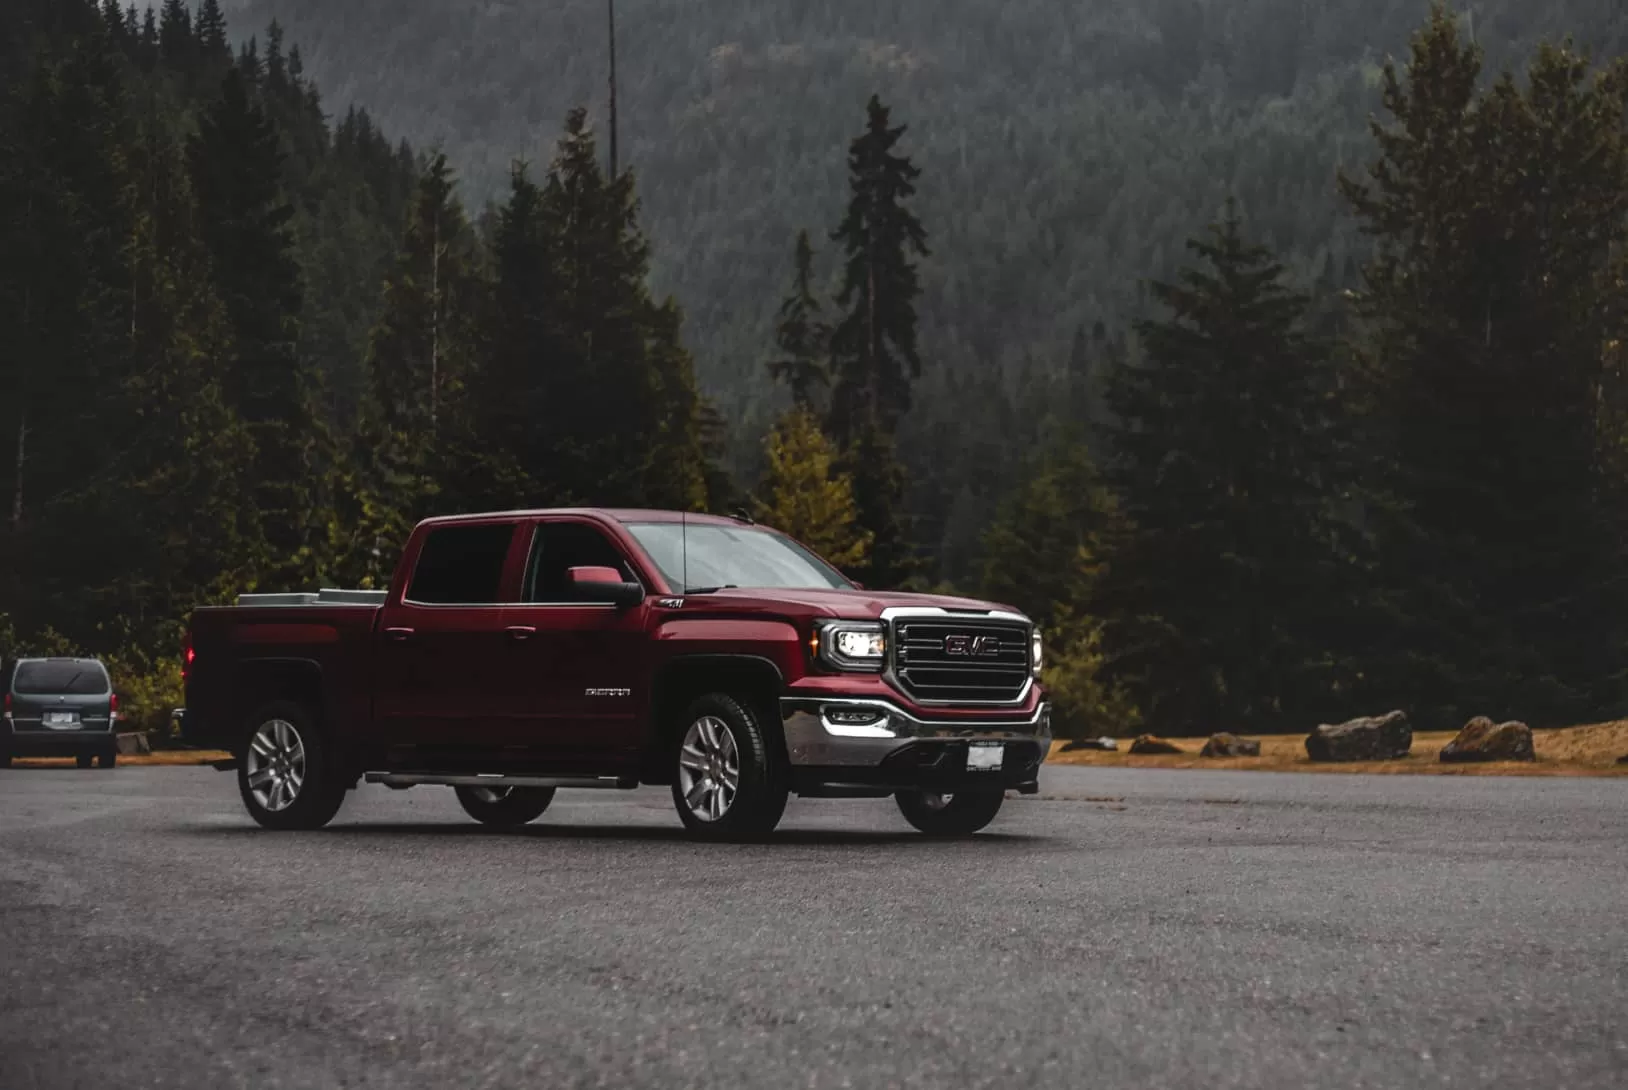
(53, 678)
(462, 565)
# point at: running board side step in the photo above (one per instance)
(415, 779)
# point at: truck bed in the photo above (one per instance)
(318, 642)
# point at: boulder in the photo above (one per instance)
(1090, 743)
(133, 743)
(1379, 738)
(1483, 740)
(1230, 745)
(1147, 743)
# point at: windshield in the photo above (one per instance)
(60, 678)
(732, 556)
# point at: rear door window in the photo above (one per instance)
(462, 565)
(60, 678)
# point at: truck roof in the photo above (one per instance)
(614, 514)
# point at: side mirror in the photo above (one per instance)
(603, 585)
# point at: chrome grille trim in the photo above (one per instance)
(937, 679)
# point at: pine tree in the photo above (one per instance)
(1495, 305)
(175, 45)
(805, 495)
(802, 335)
(873, 347)
(234, 163)
(1225, 466)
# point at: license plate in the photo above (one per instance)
(985, 756)
(61, 719)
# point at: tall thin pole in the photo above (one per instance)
(611, 5)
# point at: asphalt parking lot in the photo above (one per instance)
(1127, 928)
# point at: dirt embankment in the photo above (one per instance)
(1574, 751)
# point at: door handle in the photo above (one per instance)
(521, 631)
(397, 634)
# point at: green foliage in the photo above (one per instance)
(801, 334)
(805, 495)
(1225, 461)
(1042, 554)
(1495, 310)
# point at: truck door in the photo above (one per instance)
(441, 692)
(585, 661)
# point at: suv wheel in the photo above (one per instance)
(729, 782)
(505, 807)
(285, 770)
(108, 757)
(84, 760)
(960, 814)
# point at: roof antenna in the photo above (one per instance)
(684, 544)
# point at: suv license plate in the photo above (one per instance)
(985, 756)
(61, 719)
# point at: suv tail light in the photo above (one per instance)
(8, 705)
(113, 703)
(187, 655)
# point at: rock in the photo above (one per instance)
(1090, 743)
(133, 743)
(1483, 740)
(1230, 745)
(1147, 743)
(1373, 739)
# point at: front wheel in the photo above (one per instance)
(960, 814)
(729, 783)
(505, 807)
(285, 770)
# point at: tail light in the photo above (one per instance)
(187, 655)
(8, 705)
(113, 704)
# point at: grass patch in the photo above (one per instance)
(1572, 751)
(170, 757)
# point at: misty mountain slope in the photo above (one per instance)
(1067, 148)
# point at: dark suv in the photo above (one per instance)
(59, 708)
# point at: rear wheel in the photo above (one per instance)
(286, 770)
(729, 782)
(108, 757)
(84, 760)
(505, 807)
(960, 814)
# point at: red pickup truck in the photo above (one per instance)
(518, 653)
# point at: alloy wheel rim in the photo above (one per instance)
(491, 795)
(709, 768)
(276, 765)
(936, 800)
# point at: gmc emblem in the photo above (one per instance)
(970, 646)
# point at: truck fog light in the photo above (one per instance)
(853, 717)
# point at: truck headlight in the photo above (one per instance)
(852, 645)
(1037, 653)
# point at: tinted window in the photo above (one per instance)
(53, 678)
(462, 565)
(709, 555)
(561, 546)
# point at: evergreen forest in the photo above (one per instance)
(1269, 353)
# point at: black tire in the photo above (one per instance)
(84, 760)
(505, 808)
(959, 814)
(320, 788)
(758, 800)
(108, 757)
(5, 758)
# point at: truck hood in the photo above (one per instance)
(847, 604)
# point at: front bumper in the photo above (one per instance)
(899, 750)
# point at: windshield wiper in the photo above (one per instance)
(711, 590)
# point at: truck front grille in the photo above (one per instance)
(945, 660)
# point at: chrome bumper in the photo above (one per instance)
(813, 737)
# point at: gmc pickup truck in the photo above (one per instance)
(518, 653)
